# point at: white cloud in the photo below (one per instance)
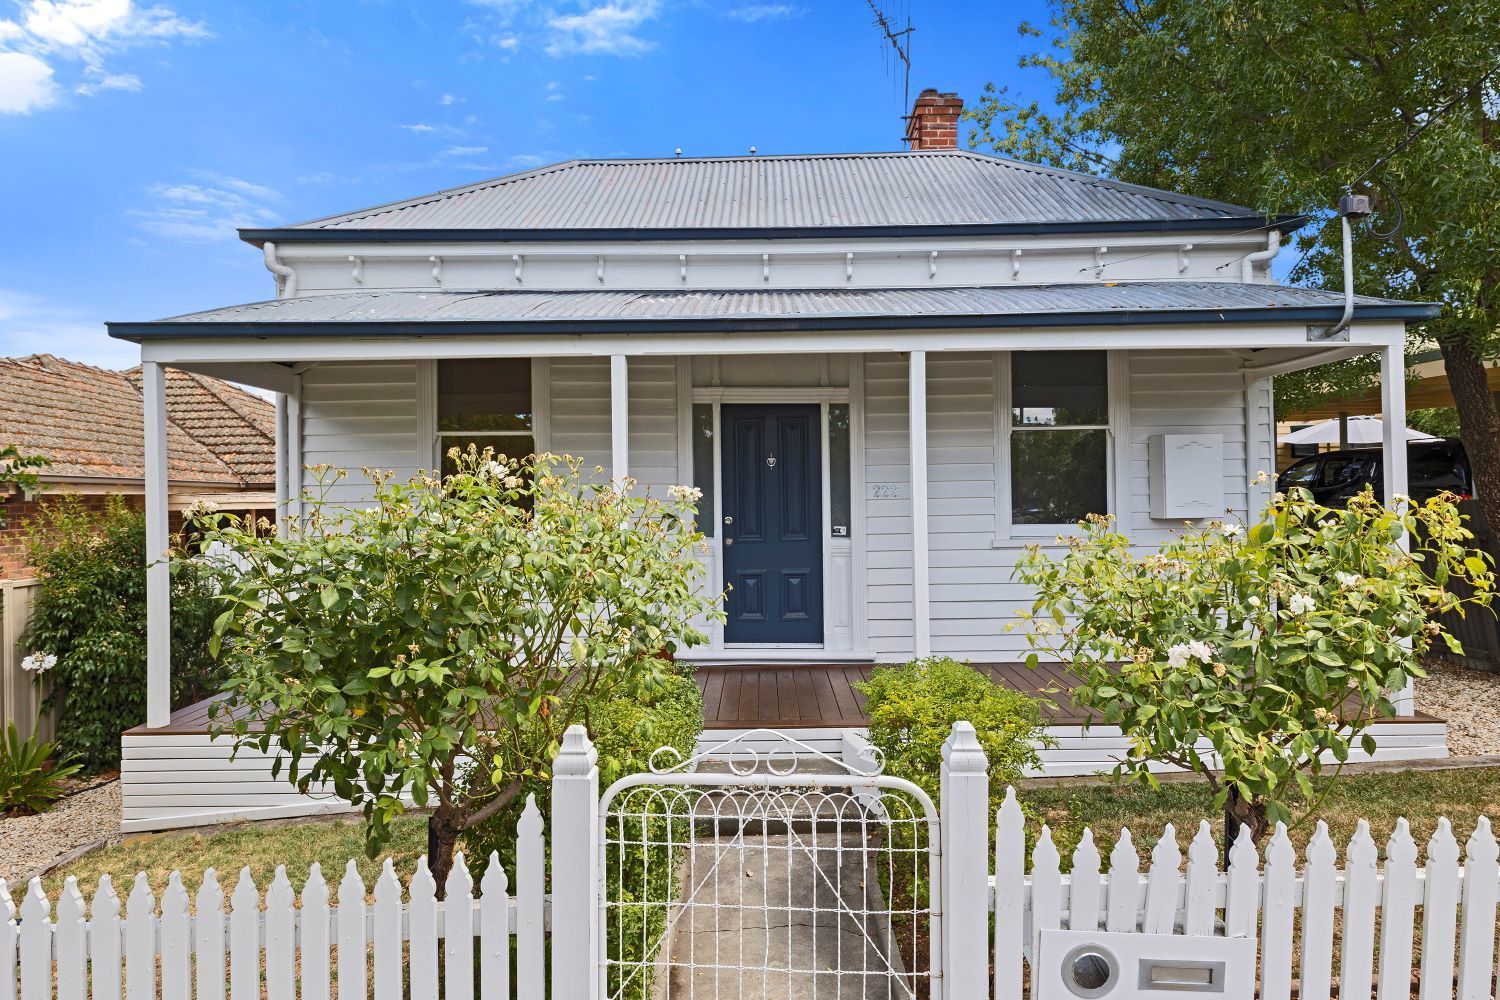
(419, 128)
(527, 160)
(50, 33)
(26, 83)
(465, 150)
(750, 13)
(448, 100)
(32, 325)
(608, 28)
(507, 43)
(108, 81)
(208, 211)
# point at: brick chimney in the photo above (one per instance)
(933, 123)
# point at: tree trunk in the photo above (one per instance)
(1247, 813)
(443, 828)
(1478, 421)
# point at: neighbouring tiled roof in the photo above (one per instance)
(921, 188)
(88, 421)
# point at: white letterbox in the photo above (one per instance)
(1098, 965)
(1187, 475)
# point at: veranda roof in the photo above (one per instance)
(406, 312)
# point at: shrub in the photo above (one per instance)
(386, 649)
(912, 708)
(90, 612)
(1253, 640)
(29, 779)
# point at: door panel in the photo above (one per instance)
(773, 510)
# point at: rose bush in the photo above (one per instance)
(434, 645)
(1248, 655)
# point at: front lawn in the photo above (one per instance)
(1463, 795)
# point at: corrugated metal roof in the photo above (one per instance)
(924, 188)
(879, 305)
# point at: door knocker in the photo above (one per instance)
(770, 461)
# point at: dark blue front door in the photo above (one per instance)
(773, 516)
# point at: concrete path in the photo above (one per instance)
(782, 910)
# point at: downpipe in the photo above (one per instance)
(1250, 262)
(1350, 206)
(286, 277)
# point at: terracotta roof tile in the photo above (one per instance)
(88, 421)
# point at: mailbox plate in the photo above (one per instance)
(1161, 966)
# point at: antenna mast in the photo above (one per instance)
(900, 44)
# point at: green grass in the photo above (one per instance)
(1462, 795)
(261, 846)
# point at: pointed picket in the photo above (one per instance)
(1361, 899)
(1280, 880)
(1398, 902)
(281, 937)
(530, 939)
(1319, 889)
(72, 943)
(1201, 890)
(353, 948)
(1124, 885)
(312, 935)
(208, 938)
(1046, 888)
(387, 936)
(104, 942)
(1476, 950)
(244, 939)
(1242, 887)
(1010, 896)
(423, 967)
(1439, 913)
(1162, 884)
(36, 943)
(10, 933)
(458, 932)
(140, 941)
(1084, 885)
(176, 942)
(494, 932)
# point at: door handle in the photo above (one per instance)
(728, 542)
(728, 519)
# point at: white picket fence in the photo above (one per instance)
(1458, 905)
(269, 945)
(180, 948)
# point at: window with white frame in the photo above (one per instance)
(485, 402)
(1055, 435)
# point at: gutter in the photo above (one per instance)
(261, 237)
(140, 332)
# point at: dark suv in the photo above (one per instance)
(1432, 467)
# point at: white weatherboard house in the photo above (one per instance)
(886, 371)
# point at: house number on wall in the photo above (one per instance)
(889, 491)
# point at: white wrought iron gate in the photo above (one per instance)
(763, 868)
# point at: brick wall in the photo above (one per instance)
(15, 512)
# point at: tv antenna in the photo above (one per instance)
(898, 40)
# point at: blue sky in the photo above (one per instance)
(135, 137)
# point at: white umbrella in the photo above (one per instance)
(1362, 430)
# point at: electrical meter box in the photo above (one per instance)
(1187, 475)
(1099, 965)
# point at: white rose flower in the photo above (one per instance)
(1232, 530)
(1347, 580)
(1301, 604)
(1200, 651)
(691, 494)
(1177, 656)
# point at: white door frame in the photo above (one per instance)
(823, 396)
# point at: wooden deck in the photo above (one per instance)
(823, 696)
(798, 696)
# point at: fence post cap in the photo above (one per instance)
(962, 752)
(577, 754)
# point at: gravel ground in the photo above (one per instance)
(30, 843)
(1469, 700)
